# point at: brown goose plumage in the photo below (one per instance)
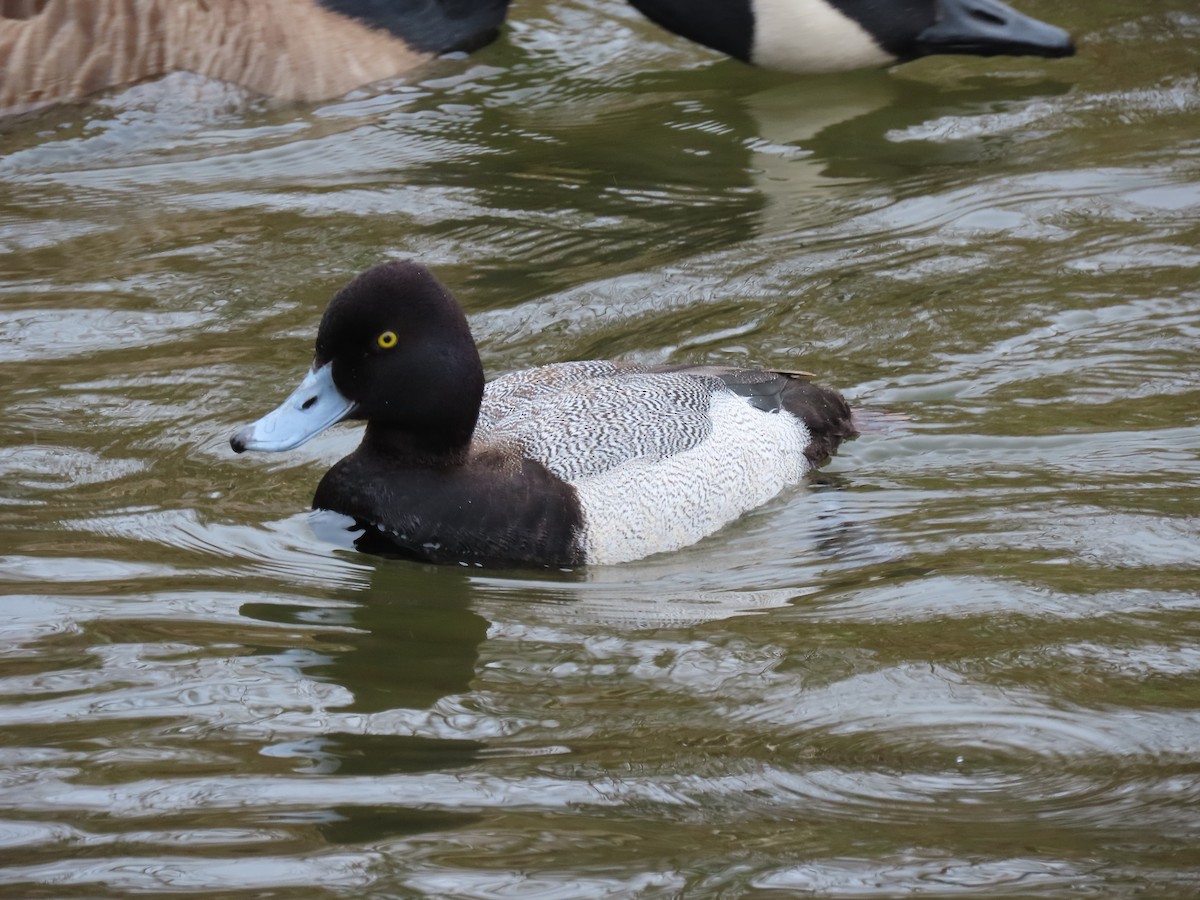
(55, 51)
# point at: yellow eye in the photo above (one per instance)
(387, 340)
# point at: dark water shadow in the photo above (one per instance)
(406, 641)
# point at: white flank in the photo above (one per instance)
(654, 505)
(811, 36)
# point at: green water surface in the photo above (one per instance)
(964, 662)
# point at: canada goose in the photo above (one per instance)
(54, 51)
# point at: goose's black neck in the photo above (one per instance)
(726, 27)
(430, 26)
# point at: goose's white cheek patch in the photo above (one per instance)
(655, 505)
(811, 36)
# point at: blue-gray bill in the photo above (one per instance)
(314, 406)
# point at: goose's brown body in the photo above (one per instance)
(55, 51)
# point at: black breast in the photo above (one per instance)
(490, 510)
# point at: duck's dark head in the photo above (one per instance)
(393, 348)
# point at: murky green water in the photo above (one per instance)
(966, 662)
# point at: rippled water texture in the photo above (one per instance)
(964, 662)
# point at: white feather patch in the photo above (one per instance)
(651, 505)
(811, 36)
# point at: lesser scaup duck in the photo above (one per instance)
(563, 465)
(55, 51)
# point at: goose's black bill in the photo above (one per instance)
(990, 28)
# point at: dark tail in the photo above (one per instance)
(825, 412)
